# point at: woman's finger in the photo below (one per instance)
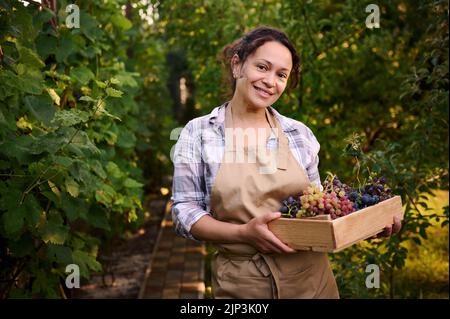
(387, 231)
(397, 225)
(279, 244)
(269, 247)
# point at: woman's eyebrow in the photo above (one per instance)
(270, 63)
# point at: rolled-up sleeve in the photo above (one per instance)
(188, 187)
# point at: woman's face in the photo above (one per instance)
(263, 76)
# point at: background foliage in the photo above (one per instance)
(86, 116)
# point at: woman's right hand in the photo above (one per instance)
(257, 233)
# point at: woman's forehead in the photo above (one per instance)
(275, 54)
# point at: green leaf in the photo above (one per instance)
(86, 262)
(33, 210)
(74, 208)
(131, 183)
(18, 148)
(70, 117)
(66, 47)
(18, 212)
(32, 82)
(72, 187)
(64, 161)
(50, 142)
(126, 139)
(40, 107)
(29, 57)
(423, 232)
(98, 217)
(100, 84)
(87, 99)
(54, 231)
(82, 75)
(46, 45)
(121, 22)
(126, 79)
(105, 194)
(82, 140)
(44, 15)
(13, 218)
(113, 170)
(113, 92)
(45, 285)
(97, 167)
(90, 26)
(114, 80)
(59, 254)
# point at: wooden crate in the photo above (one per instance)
(334, 235)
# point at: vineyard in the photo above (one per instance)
(89, 111)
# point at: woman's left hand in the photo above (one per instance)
(389, 230)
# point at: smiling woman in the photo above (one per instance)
(229, 201)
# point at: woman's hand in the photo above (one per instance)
(256, 233)
(389, 230)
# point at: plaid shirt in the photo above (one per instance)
(199, 151)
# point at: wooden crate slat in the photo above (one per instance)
(304, 234)
(366, 222)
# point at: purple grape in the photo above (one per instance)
(366, 198)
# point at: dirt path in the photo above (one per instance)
(127, 264)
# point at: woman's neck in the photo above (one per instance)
(246, 115)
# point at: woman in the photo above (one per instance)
(234, 166)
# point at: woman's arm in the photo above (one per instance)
(255, 233)
(188, 187)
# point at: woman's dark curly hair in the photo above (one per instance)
(248, 44)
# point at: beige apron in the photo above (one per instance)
(240, 193)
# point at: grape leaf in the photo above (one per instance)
(86, 262)
(82, 75)
(113, 92)
(60, 254)
(72, 187)
(131, 183)
(40, 107)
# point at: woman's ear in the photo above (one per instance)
(235, 66)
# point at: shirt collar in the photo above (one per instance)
(217, 118)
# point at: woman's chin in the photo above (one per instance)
(260, 103)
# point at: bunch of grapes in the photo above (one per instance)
(314, 202)
(337, 199)
(290, 207)
(333, 184)
(374, 191)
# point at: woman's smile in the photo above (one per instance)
(262, 92)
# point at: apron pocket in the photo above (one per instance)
(300, 285)
(242, 287)
(239, 279)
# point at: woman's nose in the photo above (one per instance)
(269, 80)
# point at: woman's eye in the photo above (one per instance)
(262, 67)
(283, 75)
